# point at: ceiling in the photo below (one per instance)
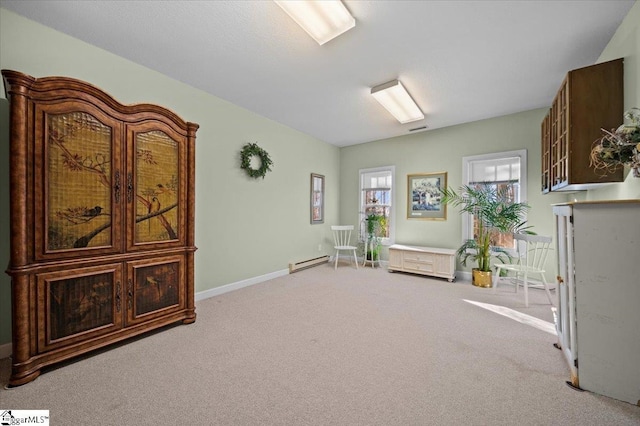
(461, 60)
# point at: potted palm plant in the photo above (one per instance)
(494, 214)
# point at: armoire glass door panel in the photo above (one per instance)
(158, 190)
(80, 198)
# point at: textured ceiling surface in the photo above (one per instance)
(461, 60)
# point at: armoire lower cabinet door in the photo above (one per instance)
(75, 305)
(155, 288)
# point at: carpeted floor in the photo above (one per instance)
(325, 347)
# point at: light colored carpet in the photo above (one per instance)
(325, 347)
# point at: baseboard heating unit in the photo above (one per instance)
(295, 267)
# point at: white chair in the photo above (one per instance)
(342, 241)
(532, 254)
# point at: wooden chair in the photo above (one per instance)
(532, 254)
(342, 241)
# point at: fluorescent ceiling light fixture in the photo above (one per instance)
(323, 20)
(395, 98)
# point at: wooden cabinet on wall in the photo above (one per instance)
(590, 99)
(102, 220)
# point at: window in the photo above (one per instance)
(377, 197)
(505, 171)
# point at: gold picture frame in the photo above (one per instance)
(424, 196)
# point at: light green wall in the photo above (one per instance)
(442, 150)
(624, 44)
(245, 228)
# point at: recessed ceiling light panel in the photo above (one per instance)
(323, 20)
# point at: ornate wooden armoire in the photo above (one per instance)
(102, 220)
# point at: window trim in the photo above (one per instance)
(467, 226)
(392, 211)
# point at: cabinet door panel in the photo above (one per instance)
(157, 179)
(559, 144)
(77, 207)
(546, 154)
(78, 304)
(442, 264)
(395, 259)
(155, 288)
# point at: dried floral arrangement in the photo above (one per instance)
(619, 147)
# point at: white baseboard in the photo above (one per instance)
(463, 275)
(5, 350)
(239, 284)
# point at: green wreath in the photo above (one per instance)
(248, 151)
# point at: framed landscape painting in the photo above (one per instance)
(424, 196)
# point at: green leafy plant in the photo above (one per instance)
(374, 225)
(495, 213)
